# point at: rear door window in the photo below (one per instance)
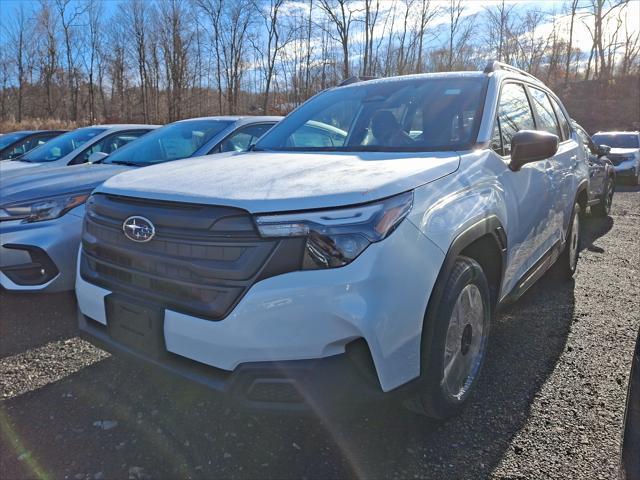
(546, 114)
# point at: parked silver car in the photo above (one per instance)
(75, 147)
(602, 175)
(41, 210)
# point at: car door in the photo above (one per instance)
(108, 144)
(560, 164)
(597, 169)
(572, 162)
(529, 195)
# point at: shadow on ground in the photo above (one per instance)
(166, 427)
(31, 320)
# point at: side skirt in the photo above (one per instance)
(534, 274)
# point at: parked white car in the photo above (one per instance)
(362, 260)
(624, 153)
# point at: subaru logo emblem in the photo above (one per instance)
(138, 229)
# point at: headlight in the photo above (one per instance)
(336, 237)
(42, 208)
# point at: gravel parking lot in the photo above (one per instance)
(550, 404)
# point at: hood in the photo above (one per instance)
(46, 182)
(623, 151)
(16, 165)
(284, 181)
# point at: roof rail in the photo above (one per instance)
(355, 79)
(494, 65)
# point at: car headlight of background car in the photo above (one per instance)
(334, 238)
(42, 208)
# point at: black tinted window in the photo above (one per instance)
(514, 114)
(544, 109)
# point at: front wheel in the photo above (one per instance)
(453, 357)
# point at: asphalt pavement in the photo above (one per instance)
(549, 405)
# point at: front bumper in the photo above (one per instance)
(380, 298)
(293, 385)
(40, 256)
(628, 168)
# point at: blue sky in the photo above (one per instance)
(8, 9)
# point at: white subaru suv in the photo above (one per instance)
(358, 252)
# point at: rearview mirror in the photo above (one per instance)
(97, 157)
(602, 150)
(531, 146)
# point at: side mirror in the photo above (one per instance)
(97, 157)
(531, 146)
(602, 150)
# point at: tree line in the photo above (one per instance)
(157, 61)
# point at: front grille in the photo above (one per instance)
(201, 261)
(617, 159)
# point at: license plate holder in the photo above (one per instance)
(137, 326)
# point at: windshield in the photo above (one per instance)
(9, 138)
(617, 140)
(172, 142)
(415, 114)
(62, 145)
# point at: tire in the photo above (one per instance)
(567, 262)
(603, 208)
(458, 338)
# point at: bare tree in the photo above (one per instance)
(237, 19)
(136, 17)
(455, 10)
(18, 34)
(573, 8)
(370, 17)
(276, 40)
(175, 40)
(342, 15)
(47, 27)
(426, 15)
(214, 10)
(92, 50)
(500, 22)
(600, 10)
(70, 14)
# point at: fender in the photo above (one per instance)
(490, 225)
